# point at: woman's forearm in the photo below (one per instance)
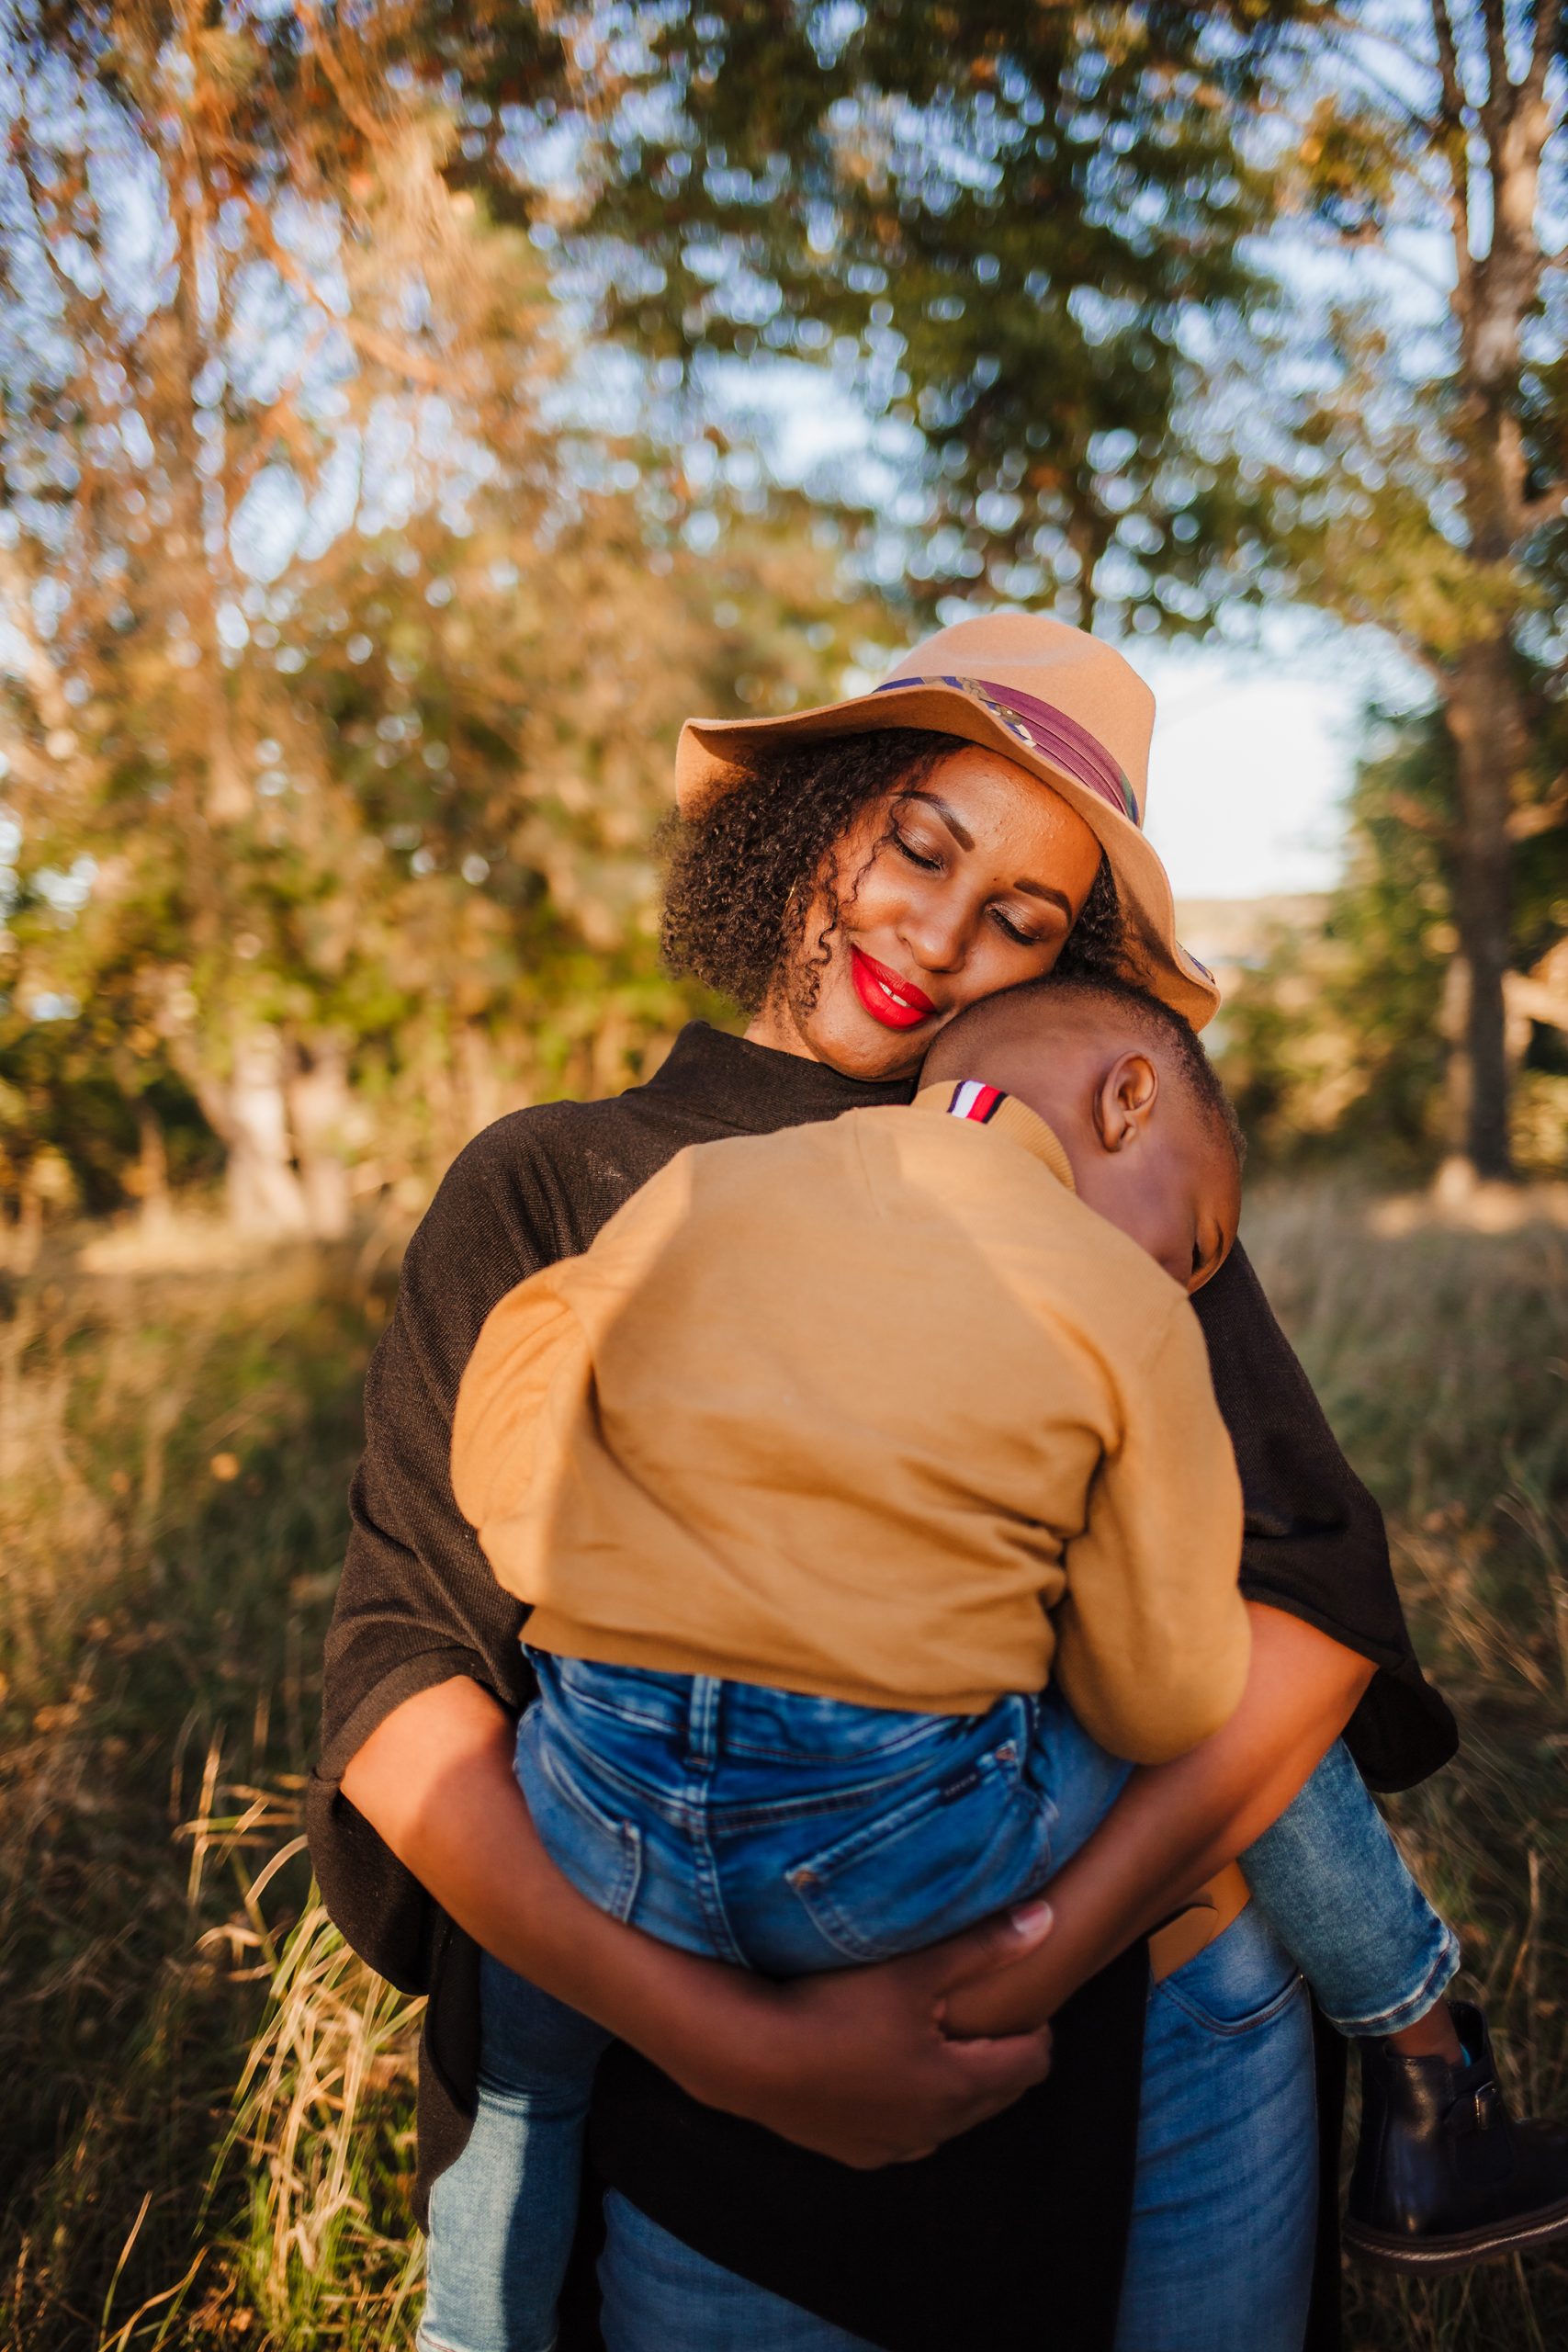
(1176, 1824)
(855, 2064)
(435, 1782)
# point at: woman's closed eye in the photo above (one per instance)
(1022, 938)
(928, 863)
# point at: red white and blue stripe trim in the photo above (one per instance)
(971, 1100)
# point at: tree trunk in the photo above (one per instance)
(1483, 717)
(152, 1168)
(318, 1108)
(1490, 134)
(1087, 534)
(476, 1071)
(28, 1236)
(265, 1192)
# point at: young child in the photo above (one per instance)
(867, 1487)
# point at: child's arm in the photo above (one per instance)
(1152, 1638)
(1176, 1823)
(530, 1368)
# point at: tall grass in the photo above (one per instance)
(205, 2129)
(205, 2119)
(1441, 1356)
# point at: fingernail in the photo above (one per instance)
(1029, 1917)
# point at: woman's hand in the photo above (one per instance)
(1175, 1825)
(854, 2064)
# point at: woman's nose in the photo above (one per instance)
(937, 937)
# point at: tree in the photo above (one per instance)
(1025, 235)
(343, 679)
(1019, 234)
(1340, 1038)
(236, 289)
(1431, 496)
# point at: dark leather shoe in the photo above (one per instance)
(1444, 2175)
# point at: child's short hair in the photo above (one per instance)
(959, 1051)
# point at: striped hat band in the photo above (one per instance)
(1045, 729)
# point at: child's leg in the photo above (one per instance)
(1445, 2174)
(1333, 1887)
(503, 2217)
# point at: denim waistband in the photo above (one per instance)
(669, 1738)
(703, 1713)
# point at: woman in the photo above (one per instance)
(859, 875)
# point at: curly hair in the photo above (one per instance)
(743, 872)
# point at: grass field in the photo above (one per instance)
(205, 2111)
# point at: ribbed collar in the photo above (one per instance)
(1011, 1118)
(756, 1089)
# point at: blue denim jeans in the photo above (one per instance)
(1225, 2206)
(789, 1834)
(795, 1834)
(1334, 1888)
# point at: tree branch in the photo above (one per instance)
(1536, 999)
(385, 348)
(370, 128)
(1548, 24)
(1453, 148)
(1454, 100)
(1534, 513)
(1497, 107)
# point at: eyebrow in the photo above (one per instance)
(966, 839)
(959, 831)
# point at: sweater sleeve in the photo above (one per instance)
(1314, 1544)
(417, 1603)
(1152, 1636)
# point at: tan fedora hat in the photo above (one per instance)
(1052, 699)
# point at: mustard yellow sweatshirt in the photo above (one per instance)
(874, 1409)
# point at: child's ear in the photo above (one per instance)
(1125, 1100)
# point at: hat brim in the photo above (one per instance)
(715, 755)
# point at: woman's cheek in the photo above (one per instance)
(871, 898)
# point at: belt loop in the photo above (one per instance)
(702, 1725)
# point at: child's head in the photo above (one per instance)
(1133, 1098)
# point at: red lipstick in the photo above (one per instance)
(897, 1003)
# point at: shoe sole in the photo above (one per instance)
(1432, 2255)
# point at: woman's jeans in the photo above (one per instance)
(794, 1834)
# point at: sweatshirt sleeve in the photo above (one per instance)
(1153, 1641)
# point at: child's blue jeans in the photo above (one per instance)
(793, 1833)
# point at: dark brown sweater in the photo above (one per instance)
(1017, 2229)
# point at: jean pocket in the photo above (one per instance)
(1238, 1982)
(944, 1858)
(600, 1852)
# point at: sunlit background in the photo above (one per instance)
(409, 413)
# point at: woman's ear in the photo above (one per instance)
(1125, 1100)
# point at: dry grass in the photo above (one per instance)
(204, 2131)
(1440, 1353)
(204, 2101)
